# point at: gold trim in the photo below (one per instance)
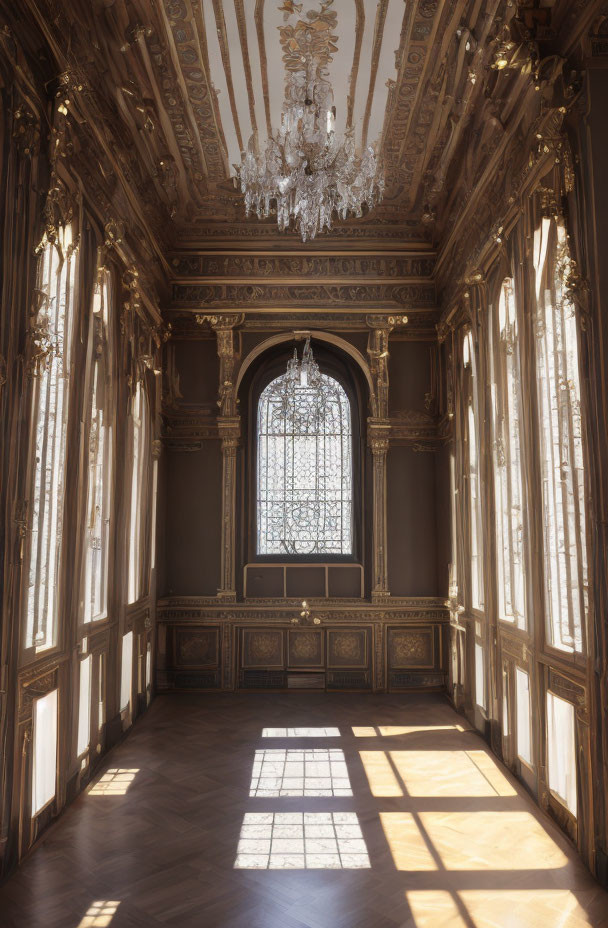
(378, 33)
(359, 30)
(222, 37)
(259, 28)
(239, 10)
(202, 41)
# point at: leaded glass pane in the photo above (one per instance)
(304, 473)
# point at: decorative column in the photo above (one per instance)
(378, 438)
(378, 431)
(230, 432)
(229, 429)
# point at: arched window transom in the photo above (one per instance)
(304, 464)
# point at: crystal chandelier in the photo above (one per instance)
(303, 396)
(306, 173)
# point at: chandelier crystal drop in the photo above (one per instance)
(306, 173)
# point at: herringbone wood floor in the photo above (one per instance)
(450, 838)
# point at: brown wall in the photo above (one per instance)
(412, 538)
(192, 474)
(192, 548)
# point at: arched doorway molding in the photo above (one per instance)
(299, 335)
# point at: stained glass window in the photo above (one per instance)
(304, 465)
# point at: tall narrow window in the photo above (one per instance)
(304, 466)
(136, 517)
(51, 367)
(561, 750)
(480, 676)
(522, 693)
(84, 706)
(44, 749)
(475, 512)
(507, 459)
(559, 401)
(100, 458)
(126, 670)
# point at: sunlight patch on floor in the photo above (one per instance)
(293, 772)
(301, 733)
(99, 914)
(301, 841)
(406, 842)
(490, 840)
(393, 731)
(114, 782)
(434, 774)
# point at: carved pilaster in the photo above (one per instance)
(377, 350)
(230, 430)
(378, 432)
(228, 353)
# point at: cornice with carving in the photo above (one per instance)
(261, 295)
(421, 324)
(285, 267)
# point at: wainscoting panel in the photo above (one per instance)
(256, 645)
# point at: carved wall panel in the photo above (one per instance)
(305, 648)
(196, 647)
(348, 648)
(411, 648)
(263, 647)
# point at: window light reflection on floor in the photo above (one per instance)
(393, 731)
(114, 782)
(306, 772)
(301, 733)
(301, 841)
(425, 773)
(99, 914)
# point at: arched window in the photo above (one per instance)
(304, 500)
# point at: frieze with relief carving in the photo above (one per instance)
(392, 296)
(281, 266)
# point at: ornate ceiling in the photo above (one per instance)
(171, 90)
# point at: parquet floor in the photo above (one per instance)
(303, 811)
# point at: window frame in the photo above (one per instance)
(475, 505)
(106, 362)
(30, 651)
(272, 366)
(501, 404)
(548, 231)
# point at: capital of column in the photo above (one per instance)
(378, 435)
(229, 429)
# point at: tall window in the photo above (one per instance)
(561, 749)
(304, 464)
(559, 401)
(100, 458)
(136, 517)
(507, 459)
(475, 513)
(44, 750)
(52, 338)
